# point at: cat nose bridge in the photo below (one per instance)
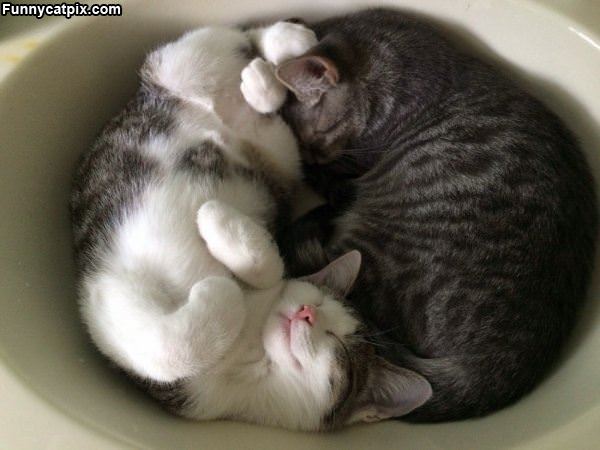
(307, 313)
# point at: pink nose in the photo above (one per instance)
(308, 313)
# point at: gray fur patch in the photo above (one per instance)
(205, 159)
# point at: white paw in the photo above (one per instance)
(260, 88)
(285, 40)
(217, 298)
(216, 313)
(242, 245)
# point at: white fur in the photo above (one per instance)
(260, 87)
(165, 301)
(240, 244)
(284, 40)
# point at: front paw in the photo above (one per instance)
(213, 316)
(260, 88)
(285, 40)
(241, 244)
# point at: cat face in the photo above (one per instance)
(306, 339)
(330, 105)
(324, 373)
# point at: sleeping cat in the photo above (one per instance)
(471, 203)
(180, 281)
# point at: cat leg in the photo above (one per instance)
(242, 245)
(212, 319)
(129, 323)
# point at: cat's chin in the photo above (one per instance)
(278, 336)
(290, 331)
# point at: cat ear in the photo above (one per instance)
(308, 77)
(339, 275)
(391, 391)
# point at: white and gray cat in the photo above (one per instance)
(181, 283)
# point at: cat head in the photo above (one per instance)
(328, 108)
(324, 373)
(370, 72)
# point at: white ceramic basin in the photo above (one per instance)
(56, 392)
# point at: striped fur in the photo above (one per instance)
(471, 203)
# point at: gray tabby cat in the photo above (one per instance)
(180, 281)
(471, 203)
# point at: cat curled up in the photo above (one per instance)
(471, 204)
(181, 285)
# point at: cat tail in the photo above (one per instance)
(468, 385)
(151, 333)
